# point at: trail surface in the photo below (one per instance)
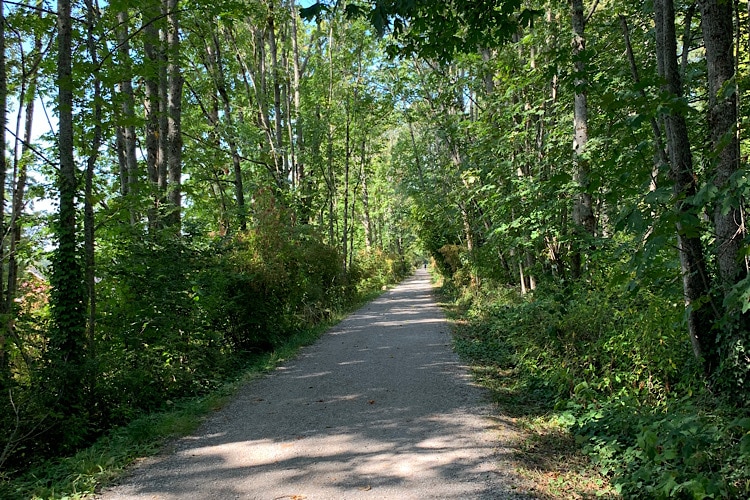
(379, 408)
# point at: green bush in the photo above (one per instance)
(616, 367)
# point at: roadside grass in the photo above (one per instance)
(548, 455)
(111, 456)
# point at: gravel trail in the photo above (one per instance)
(379, 408)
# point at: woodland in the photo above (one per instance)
(216, 176)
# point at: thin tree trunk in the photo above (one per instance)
(4, 360)
(366, 221)
(129, 167)
(239, 190)
(19, 193)
(661, 157)
(296, 80)
(282, 161)
(583, 214)
(151, 48)
(88, 204)
(330, 180)
(163, 72)
(347, 160)
(259, 82)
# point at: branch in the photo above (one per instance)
(32, 148)
(591, 12)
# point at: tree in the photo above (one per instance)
(67, 343)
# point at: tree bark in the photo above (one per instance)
(4, 361)
(347, 161)
(717, 25)
(129, 165)
(583, 214)
(366, 219)
(151, 48)
(174, 121)
(299, 136)
(282, 161)
(88, 203)
(239, 190)
(67, 344)
(695, 280)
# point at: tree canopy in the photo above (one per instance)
(224, 173)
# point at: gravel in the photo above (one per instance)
(379, 408)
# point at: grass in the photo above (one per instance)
(86, 472)
(548, 455)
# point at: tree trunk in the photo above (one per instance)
(19, 193)
(660, 157)
(347, 160)
(67, 344)
(88, 204)
(298, 126)
(163, 72)
(695, 279)
(583, 214)
(151, 48)
(366, 221)
(4, 361)
(174, 137)
(282, 161)
(716, 21)
(239, 190)
(129, 166)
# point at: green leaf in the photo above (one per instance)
(314, 11)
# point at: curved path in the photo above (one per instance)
(379, 408)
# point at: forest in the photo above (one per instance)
(188, 185)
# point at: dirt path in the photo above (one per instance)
(379, 408)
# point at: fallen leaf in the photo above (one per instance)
(365, 488)
(372, 401)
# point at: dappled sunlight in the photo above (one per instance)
(379, 408)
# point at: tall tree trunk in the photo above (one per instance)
(282, 161)
(92, 16)
(221, 87)
(174, 127)
(583, 214)
(347, 160)
(660, 156)
(716, 22)
(258, 76)
(695, 279)
(728, 218)
(163, 72)
(129, 166)
(21, 160)
(298, 125)
(330, 179)
(151, 48)
(67, 344)
(4, 361)
(366, 221)
(19, 193)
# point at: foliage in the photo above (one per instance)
(84, 473)
(612, 367)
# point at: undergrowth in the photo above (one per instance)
(609, 376)
(88, 470)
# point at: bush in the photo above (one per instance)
(616, 367)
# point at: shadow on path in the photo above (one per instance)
(380, 407)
